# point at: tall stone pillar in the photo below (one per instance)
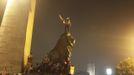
(16, 34)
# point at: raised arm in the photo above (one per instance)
(62, 19)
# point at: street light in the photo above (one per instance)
(109, 71)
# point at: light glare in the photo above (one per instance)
(109, 71)
(9, 2)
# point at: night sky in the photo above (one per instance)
(104, 30)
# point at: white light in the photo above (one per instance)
(7, 9)
(91, 69)
(9, 2)
(109, 71)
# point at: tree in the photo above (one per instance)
(125, 67)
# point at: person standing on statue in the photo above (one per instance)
(66, 22)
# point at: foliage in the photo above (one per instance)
(125, 67)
